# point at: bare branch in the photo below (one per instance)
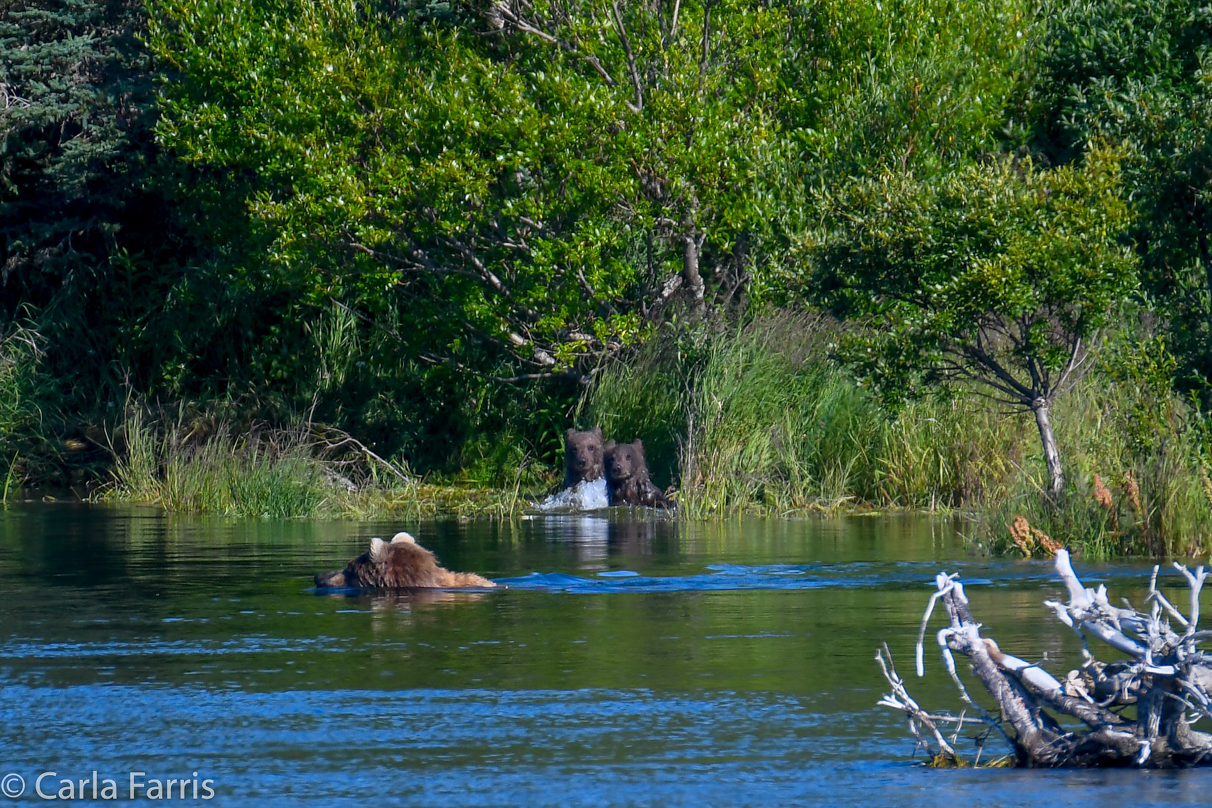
(626, 43)
(978, 355)
(900, 699)
(1196, 581)
(506, 12)
(349, 440)
(489, 276)
(1156, 596)
(1168, 679)
(673, 25)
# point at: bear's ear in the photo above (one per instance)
(403, 538)
(610, 444)
(378, 549)
(568, 436)
(597, 430)
(639, 446)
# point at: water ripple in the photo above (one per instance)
(862, 575)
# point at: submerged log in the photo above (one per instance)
(1134, 713)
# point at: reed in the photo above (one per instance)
(758, 418)
(22, 386)
(258, 474)
(195, 463)
(765, 420)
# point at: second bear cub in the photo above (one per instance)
(627, 481)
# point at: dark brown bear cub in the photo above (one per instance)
(398, 564)
(582, 456)
(627, 481)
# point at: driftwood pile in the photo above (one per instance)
(1137, 711)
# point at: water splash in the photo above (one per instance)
(587, 495)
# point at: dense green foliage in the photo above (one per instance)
(998, 274)
(447, 230)
(89, 251)
(1138, 74)
(513, 200)
(78, 110)
(993, 273)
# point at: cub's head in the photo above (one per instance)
(583, 453)
(625, 461)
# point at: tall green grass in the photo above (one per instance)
(21, 387)
(200, 463)
(763, 418)
(271, 475)
(647, 397)
(758, 417)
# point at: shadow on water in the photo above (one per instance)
(633, 660)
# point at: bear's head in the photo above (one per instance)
(395, 564)
(625, 461)
(583, 454)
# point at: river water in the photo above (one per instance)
(630, 662)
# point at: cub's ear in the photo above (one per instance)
(639, 446)
(597, 430)
(378, 549)
(610, 444)
(569, 434)
(403, 538)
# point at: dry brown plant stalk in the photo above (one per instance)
(1027, 538)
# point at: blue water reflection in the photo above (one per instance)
(631, 661)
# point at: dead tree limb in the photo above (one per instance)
(1078, 722)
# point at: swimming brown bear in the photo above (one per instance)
(627, 481)
(398, 564)
(583, 453)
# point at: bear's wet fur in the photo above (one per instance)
(398, 564)
(627, 480)
(583, 453)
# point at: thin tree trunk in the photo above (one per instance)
(1205, 258)
(690, 272)
(1056, 479)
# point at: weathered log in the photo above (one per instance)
(1167, 682)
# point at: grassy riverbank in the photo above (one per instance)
(196, 465)
(752, 418)
(759, 418)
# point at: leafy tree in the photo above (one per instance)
(906, 82)
(519, 192)
(1137, 72)
(1000, 274)
(901, 85)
